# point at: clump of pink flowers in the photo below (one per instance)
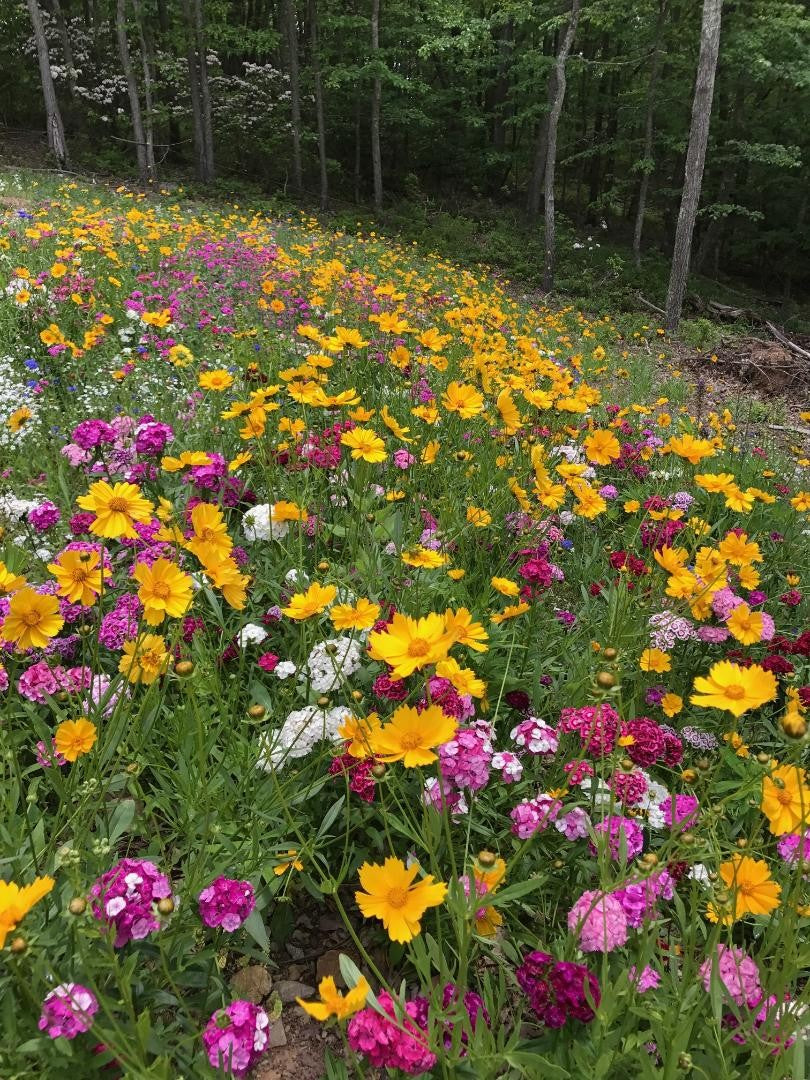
(558, 990)
(236, 1037)
(391, 1044)
(226, 903)
(600, 921)
(737, 972)
(126, 898)
(596, 725)
(535, 814)
(68, 1011)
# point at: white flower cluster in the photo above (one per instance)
(251, 634)
(258, 524)
(331, 662)
(14, 394)
(299, 733)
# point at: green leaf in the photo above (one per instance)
(254, 924)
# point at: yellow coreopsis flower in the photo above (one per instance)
(391, 896)
(505, 586)
(786, 799)
(74, 738)
(312, 602)
(407, 644)
(16, 901)
(211, 541)
(365, 445)
(333, 1003)
(218, 380)
(602, 447)
(116, 507)
(164, 590)
(738, 550)
(688, 447)
(32, 620)
(359, 617)
(510, 612)
(463, 680)
(78, 574)
(145, 659)
(424, 557)
(464, 630)
(9, 581)
(463, 399)
(358, 732)
(655, 660)
(410, 735)
(671, 704)
(753, 891)
(226, 577)
(745, 625)
(733, 688)
(478, 517)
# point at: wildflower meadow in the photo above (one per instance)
(339, 580)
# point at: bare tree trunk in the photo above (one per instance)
(290, 30)
(319, 117)
(67, 48)
(357, 149)
(376, 101)
(551, 155)
(132, 90)
(695, 158)
(200, 102)
(147, 65)
(647, 167)
(205, 90)
(541, 152)
(53, 117)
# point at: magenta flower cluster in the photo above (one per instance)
(226, 903)
(600, 921)
(236, 1037)
(68, 1011)
(596, 725)
(533, 815)
(391, 1045)
(466, 758)
(558, 990)
(126, 896)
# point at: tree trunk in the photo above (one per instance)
(290, 31)
(541, 153)
(67, 48)
(138, 134)
(376, 100)
(205, 90)
(358, 152)
(53, 117)
(147, 64)
(695, 158)
(649, 122)
(551, 154)
(319, 117)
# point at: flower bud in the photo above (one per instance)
(379, 770)
(610, 653)
(18, 945)
(487, 858)
(323, 566)
(165, 906)
(605, 680)
(256, 712)
(77, 906)
(323, 701)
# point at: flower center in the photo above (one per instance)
(118, 506)
(410, 740)
(735, 692)
(160, 589)
(31, 618)
(397, 897)
(79, 575)
(418, 647)
(784, 797)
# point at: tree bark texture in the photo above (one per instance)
(138, 134)
(319, 115)
(53, 116)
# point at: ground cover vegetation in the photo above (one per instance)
(335, 578)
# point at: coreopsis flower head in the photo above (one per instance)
(785, 799)
(17, 900)
(74, 738)
(236, 1037)
(599, 921)
(9, 581)
(753, 891)
(391, 1043)
(333, 1003)
(312, 602)
(126, 897)
(602, 447)
(68, 1011)
(734, 688)
(365, 445)
(210, 541)
(463, 399)
(746, 626)
(116, 509)
(145, 659)
(78, 575)
(558, 990)
(736, 971)
(31, 620)
(164, 590)
(689, 448)
(226, 902)
(407, 644)
(360, 616)
(411, 736)
(391, 896)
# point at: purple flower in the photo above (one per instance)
(126, 897)
(465, 759)
(558, 990)
(533, 815)
(151, 437)
(68, 1011)
(624, 833)
(535, 736)
(226, 903)
(646, 979)
(44, 516)
(575, 824)
(236, 1037)
(91, 433)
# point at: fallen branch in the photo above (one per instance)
(651, 306)
(794, 430)
(780, 337)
